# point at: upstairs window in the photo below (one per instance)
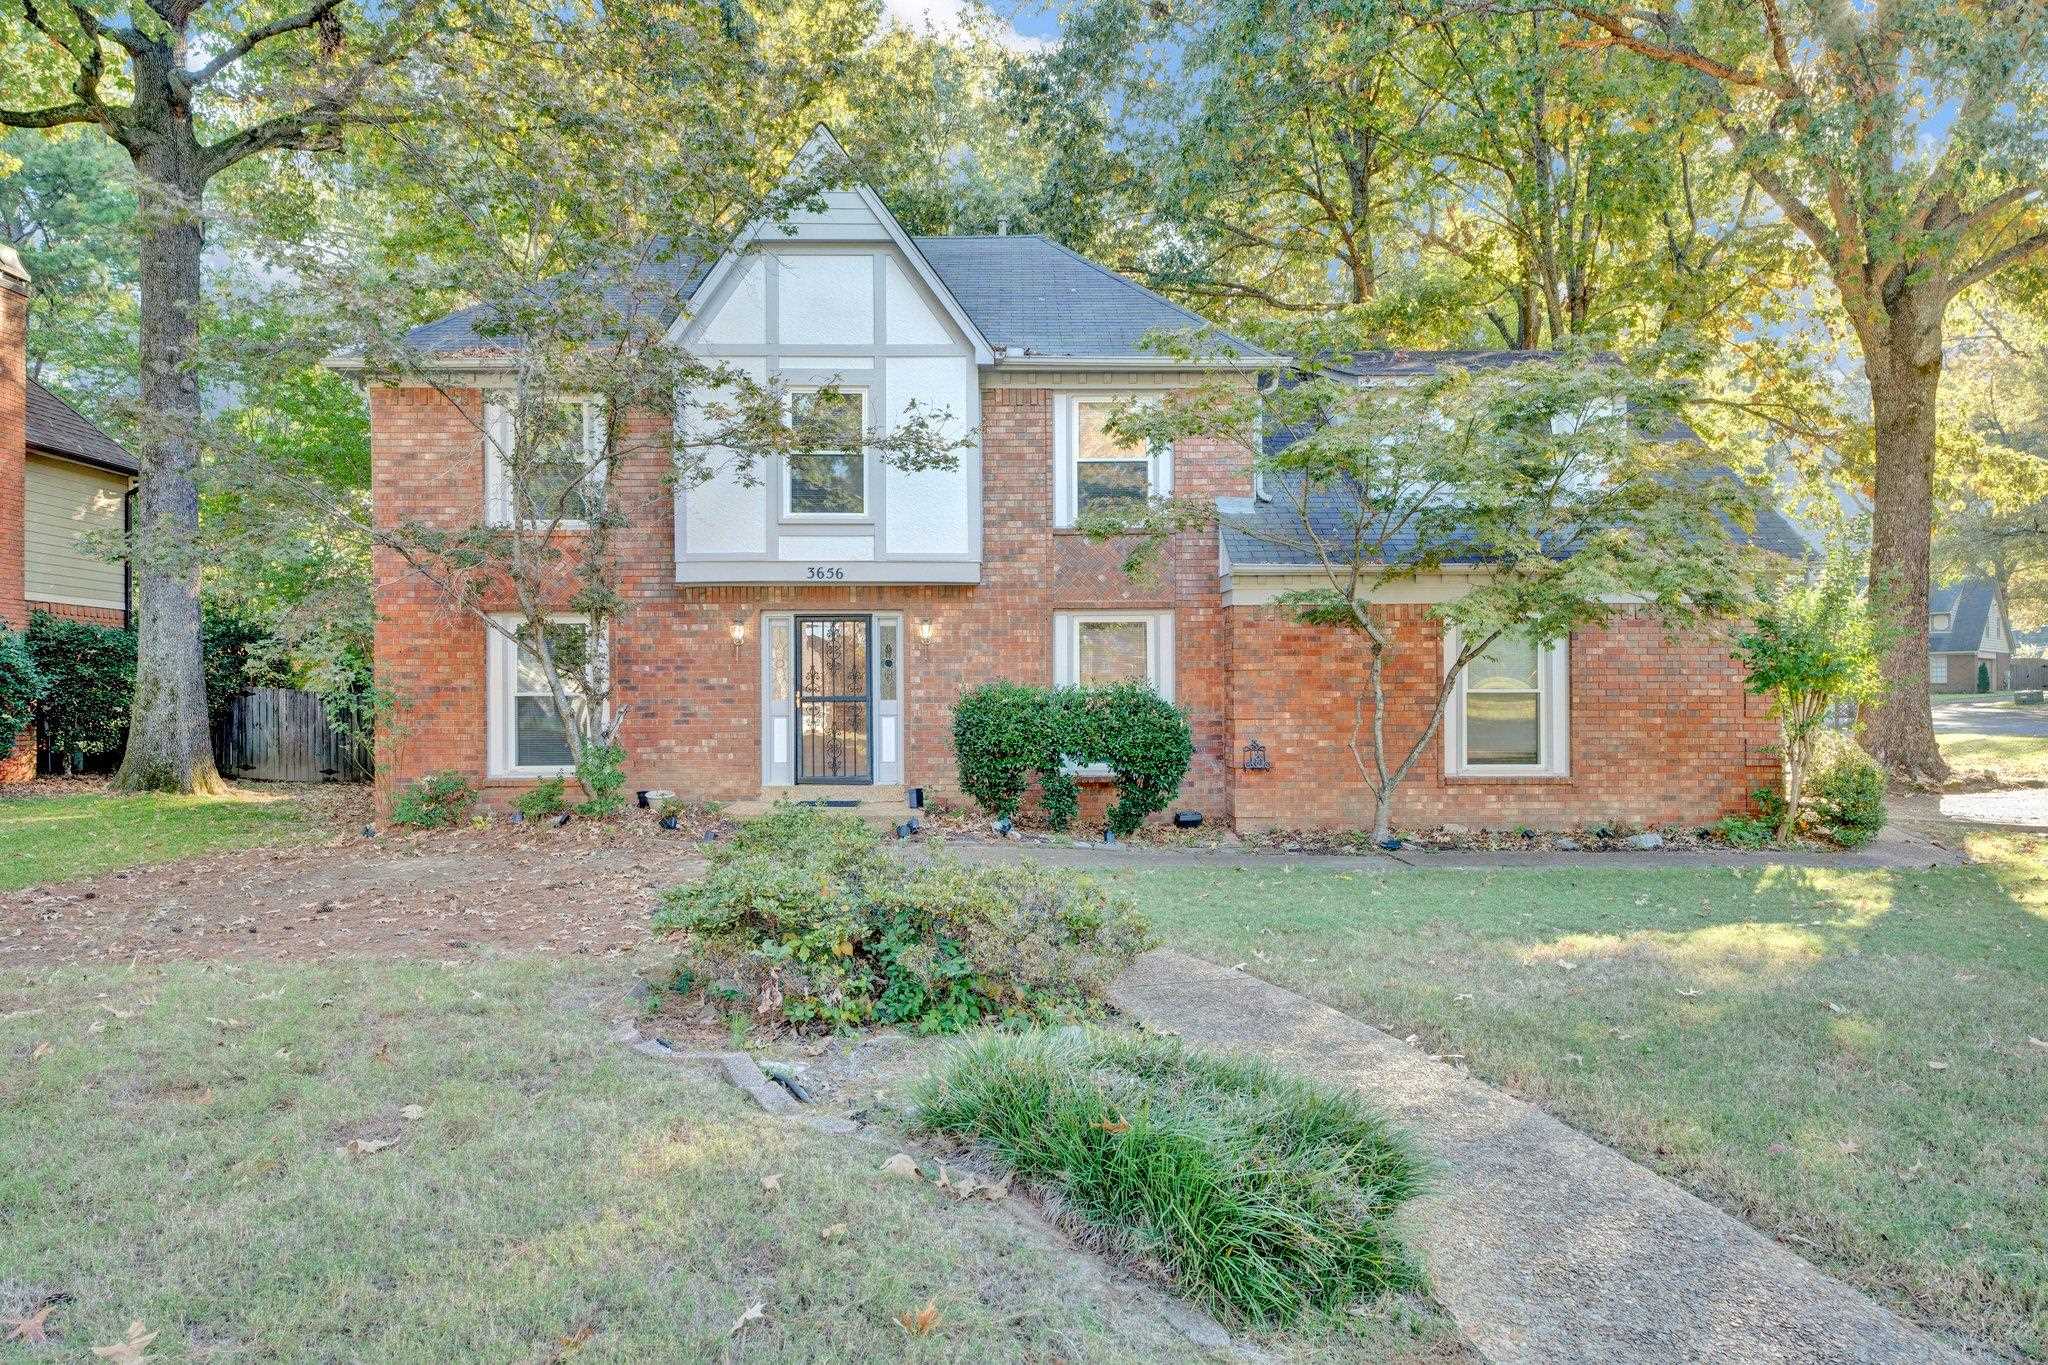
(564, 467)
(832, 480)
(1099, 473)
(1509, 711)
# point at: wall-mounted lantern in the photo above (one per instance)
(1255, 760)
(924, 630)
(739, 637)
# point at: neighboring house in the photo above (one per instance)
(64, 486)
(1965, 629)
(812, 630)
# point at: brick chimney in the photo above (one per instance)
(19, 765)
(13, 432)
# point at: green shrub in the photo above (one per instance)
(811, 916)
(438, 801)
(543, 799)
(1004, 734)
(1845, 793)
(1742, 831)
(88, 682)
(1983, 677)
(238, 651)
(1260, 1196)
(1142, 738)
(602, 772)
(21, 686)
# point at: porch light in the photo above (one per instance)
(924, 630)
(739, 635)
(1255, 760)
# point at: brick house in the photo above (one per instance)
(1966, 632)
(64, 483)
(810, 631)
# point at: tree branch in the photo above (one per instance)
(1999, 260)
(255, 37)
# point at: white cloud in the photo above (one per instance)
(957, 16)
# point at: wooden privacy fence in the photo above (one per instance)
(275, 734)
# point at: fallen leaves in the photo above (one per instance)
(1937, 1065)
(832, 1232)
(754, 1313)
(367, 1146)
(1112, 1125)
(903, 1165)
(32, 1330)
(412, 1111)
(920, 1322)
(40, 1051)
(772, 1183)
(134, 1350)
(968, 1186)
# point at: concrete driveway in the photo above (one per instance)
(1993, 715)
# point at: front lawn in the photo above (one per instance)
(47, 839)
(1856, 1062)
(231, 1155)
(2009, 758)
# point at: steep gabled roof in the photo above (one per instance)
(57, 428)
(1968, 605)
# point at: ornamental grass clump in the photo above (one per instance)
(1260, 1196)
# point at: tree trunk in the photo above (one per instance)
(1905, 378)
(170, 747)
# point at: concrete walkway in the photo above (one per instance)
(1543, 1245)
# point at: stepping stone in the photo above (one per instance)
(1544, 1246)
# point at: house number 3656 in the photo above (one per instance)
(824, 573)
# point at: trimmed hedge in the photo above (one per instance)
(1005, 734)
(21, 684)
(88, 683)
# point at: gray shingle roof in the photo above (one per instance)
(57, 428)
(1968, 605)
(1027, 294)
(1037, 298)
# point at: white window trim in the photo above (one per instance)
(1554, 740)
(1937, 669)
(500, 706)
(1066, 655)
(499, 440)
(1066, 426)
(867, 501)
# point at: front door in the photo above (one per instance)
(834, 699)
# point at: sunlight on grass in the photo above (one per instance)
(2010, 758)
(1839, 1055)
(46, 839)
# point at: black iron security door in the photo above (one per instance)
(834, 699)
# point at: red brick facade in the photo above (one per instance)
(19, 764)
(1660, 732)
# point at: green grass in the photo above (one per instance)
(58, 838)
(2010, 758)
(1839, 1057)
(1261, 1196)
(174, 1157)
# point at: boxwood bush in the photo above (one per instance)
(807, 913)
(1006, 734)
(1259, 1195)
(1844, 792)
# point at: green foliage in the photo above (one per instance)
(1743, 831)
(1845, 798)
(1262, 1196)
(1983, 677)
(88, 680)
(235, 646)
(1005, 734)
(21, 685)
(1142, 738)
(825, 929)
(438, 801)
(543, 799)
(602, 772)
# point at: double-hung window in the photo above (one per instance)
(527, 737)
(1096, 648)
(555, 477)
(829, 480)
(1099, 474)
(1510, 710)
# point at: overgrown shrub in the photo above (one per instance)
(238, 651)
(1144, 741)
(602, 772)
(1258, 1194)
(1743, 831)
(438, 801)
(88, 683)
(812, 918)
(1005, 734)
(1845, 793)
(21, 685)
(543, 799)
